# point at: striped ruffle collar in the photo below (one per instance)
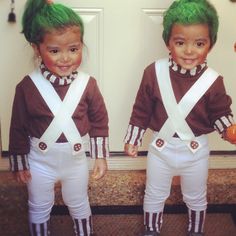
(193, 72)
(57, 80)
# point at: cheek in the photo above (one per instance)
(203, 56)
(172, 50)
(48, 61)
(174, 54)
(78, 60)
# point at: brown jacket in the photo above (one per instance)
(149, 112)
(31, 115)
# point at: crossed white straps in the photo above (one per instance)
(62, 111)
(177, 112)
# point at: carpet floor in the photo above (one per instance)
(217, 224)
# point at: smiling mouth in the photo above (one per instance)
(63, 67)
(188, 61)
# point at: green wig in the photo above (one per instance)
(43, 16)
(188, 12)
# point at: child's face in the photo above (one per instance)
(189, 44)
(61, 50)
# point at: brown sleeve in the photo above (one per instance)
(219, 103)
(19, 141)
(98, 119)
(144, 102)
(97, 113)
(19, 137)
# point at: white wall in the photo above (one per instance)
(16, 60)
(223, 59)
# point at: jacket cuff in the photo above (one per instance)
(18, 162)
(134, 135)
(222, 123)
(99, 147)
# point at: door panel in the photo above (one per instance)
(122, 38)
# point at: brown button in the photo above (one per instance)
(194, 144)
(77, 147)
(160, 142)
(43, 146)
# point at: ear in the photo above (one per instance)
(36, 49)
(167, 44)
(168, 47)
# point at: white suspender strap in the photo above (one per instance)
(46, 90)
(62, 111)
(198, 90)
(177, 113)
(176, 119)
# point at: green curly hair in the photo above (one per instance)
(187, 12)
(42, 16)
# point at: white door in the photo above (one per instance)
(122, 38)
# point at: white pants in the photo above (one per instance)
(57, 164)
(177, 160)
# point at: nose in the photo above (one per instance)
(188, 49)
(65, 57)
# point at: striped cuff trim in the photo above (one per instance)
(222, 123)
(19, 162)
(134, 135)
(99, 147)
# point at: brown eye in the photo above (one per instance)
(54, 51)
(179, 43)
(74, 49)
(200, 44)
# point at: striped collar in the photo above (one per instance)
(193, 72)
(57, 80)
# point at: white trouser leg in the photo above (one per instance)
(194, 185)
(158, 183)
(74, 186)
(194, 189)
(57, 164)
(41, 187)
(193, 173)
(175, 160)
(159, 176)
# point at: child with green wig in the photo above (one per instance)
(182, 100)
(55, 108)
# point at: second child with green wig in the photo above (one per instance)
(182, 100)
(55, 107)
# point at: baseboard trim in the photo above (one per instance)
(144, 153)
(120, 161)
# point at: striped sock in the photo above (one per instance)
(196, 221)
(41, 229)
(83, 227)
(153, 221)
